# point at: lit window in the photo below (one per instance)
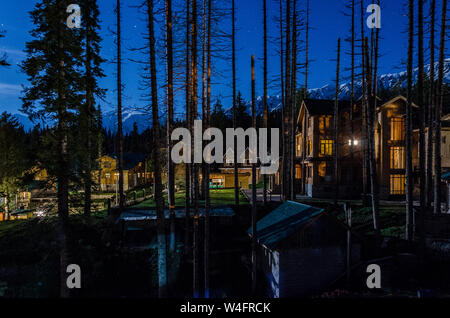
(309, 150)
(398, 184)
(107, 176)
(397, 128)
(324, 122)
(397, 157)
(326, 147)
(298, 172)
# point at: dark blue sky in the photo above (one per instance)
(326, 19)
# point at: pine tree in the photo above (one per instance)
(92, 68)
(53, 66)
(12, 158)
(3, 58)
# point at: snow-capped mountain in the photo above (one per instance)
(129, 117)
(143, 119)
(385, 82)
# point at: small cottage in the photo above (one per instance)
(301, 250)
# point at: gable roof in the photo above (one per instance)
(323, 106)
(283, 222)
(130, 159)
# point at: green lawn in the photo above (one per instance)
(218, 197)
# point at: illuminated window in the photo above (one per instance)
(108, 176)
(397, 128)
(324, 122)
(326, 147)
(309, 148)
(397, 157)
(398, 182)
(325, 169)
(298, 172)
(299, 146)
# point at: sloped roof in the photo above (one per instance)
(283, 222)
(323, 106)
(130, 159)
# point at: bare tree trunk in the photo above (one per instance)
(7, 215)
(439, 105)
(194, 102)
(371, 133)
(364, 144)
(265, 114)
(431, 97)
(162, 254)
(170, 165)
(288, 105)
(207, 194)
(421, 101)
(305, 96)
(352, 96)
(188, 126)
(236, 177)
(283, 106)
(408, 128)
(119, 106)
(336, 127)
(254, 216)
(293, 103)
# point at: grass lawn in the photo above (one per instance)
(218, 197)
(392, 220)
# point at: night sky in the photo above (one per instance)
(326, 19)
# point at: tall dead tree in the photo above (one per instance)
(119, 105)
(438, 115)
(207, 170)
(161, 235)
(283, 101)
(194, 115)
(305, 95)
(233, 48)
(408, 128)
(364, 143)
(422, 120)
(170, 100)
(336, 126)
(352, 91)
(430, 110)
(287, 112)
(188, 126)
(266, 112)
(371, 111)
(293, 101)
(254, 216)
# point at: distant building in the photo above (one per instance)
(301, 250)
(135, 172)
(314, 169)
